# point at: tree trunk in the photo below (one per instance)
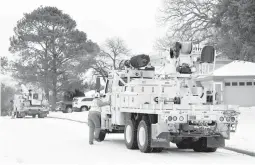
(47, 93)
(54, 78)
(114, 64)
(54, 81)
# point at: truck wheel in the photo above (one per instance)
(69, 110)
(208, 149)
(157, 150)
(84, 108)
(200, 146)
(184, 144)
(22, 115)
(130, 134)
(33, 116)
(144, 136)
(102, 135)
(181, 146)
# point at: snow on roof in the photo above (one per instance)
(236, 68)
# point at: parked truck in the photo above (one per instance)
(30, 104)
(153, 109)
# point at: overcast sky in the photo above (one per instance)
(132, 20)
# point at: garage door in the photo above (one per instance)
(240, 93)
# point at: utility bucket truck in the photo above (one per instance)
(153, 109)
(30, 104)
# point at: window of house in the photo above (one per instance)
(249, 83)
(234, 83)
(142, 89)
(241, 84)
(227, 83)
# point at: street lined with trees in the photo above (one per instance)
(53, 54)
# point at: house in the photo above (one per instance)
(233, 82)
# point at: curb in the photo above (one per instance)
(78, 121)
(245, 152)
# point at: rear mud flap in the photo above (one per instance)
(215, 142)
(162, 141)
(160, 138)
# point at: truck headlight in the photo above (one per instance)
(170, 118)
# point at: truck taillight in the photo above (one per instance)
(177, 119)
(228, 119)
(181, 118)
(233, 119)
(221, 119)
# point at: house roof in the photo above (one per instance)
(236, 68)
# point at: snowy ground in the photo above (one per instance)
(53, 141)
(242, 139)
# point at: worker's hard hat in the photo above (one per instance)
(97, 95)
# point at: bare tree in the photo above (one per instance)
(189, 20)
(112, 52)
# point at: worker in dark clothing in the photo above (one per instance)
(94, 118)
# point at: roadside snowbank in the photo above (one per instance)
(242, 139)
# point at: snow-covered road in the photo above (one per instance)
(54, 141)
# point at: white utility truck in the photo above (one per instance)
(30, 104)
(153, 109)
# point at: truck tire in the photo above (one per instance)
(157, 150)
(84, 108)
(33, 116)
(181, 146)
(185, 144)
(21, 115)
(200, 146)
(130, 134)
(144, 135)
(42, 115)
(69, 110)
(209, 149)
(102, 135)
(17, 115)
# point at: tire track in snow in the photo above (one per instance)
(62, 118)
